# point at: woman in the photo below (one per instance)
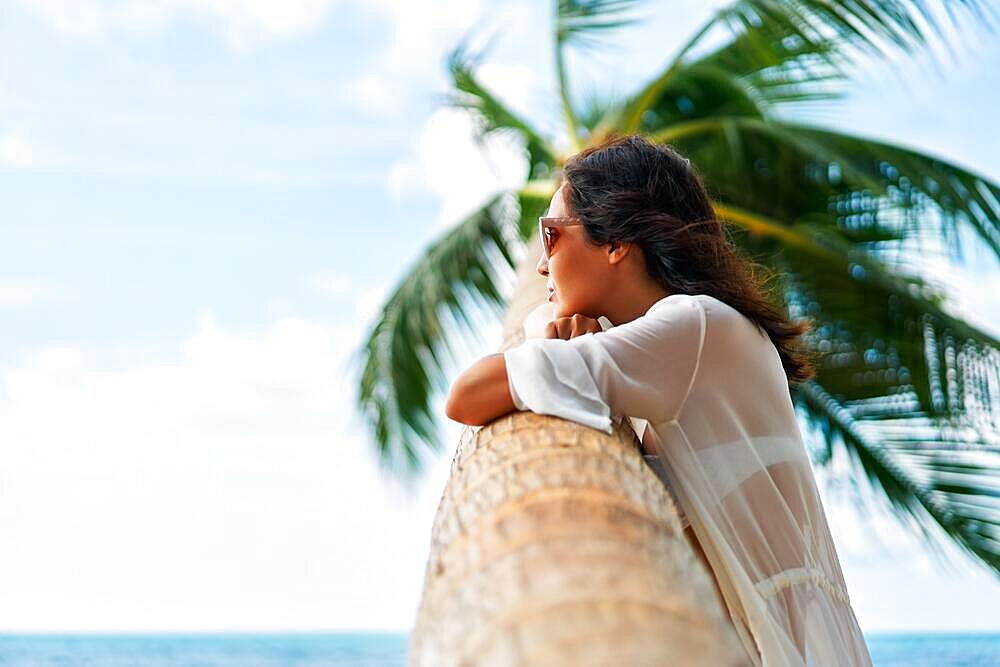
(655, 317)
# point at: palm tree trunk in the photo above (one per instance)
(556, 544)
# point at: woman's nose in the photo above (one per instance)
(543, 266)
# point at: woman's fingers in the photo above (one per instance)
(571, 327)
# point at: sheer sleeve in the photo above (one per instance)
(644, 368)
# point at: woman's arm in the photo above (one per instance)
(481, 393)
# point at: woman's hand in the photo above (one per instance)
(571, 327)
(540, 323)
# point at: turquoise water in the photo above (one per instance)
(382, 650)
(932, 650)
(205, 650)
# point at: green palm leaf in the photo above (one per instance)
(791, 50)
(908, 390)
(490, 114)
(416, 339)
(579, 21)
(953, 481)
(878, 193)
(905, 179)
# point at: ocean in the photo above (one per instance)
(362, 649)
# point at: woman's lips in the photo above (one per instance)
(550, 295)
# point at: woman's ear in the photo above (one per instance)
(618, 251)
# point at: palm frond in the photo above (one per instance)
(578, 22)
(846, 275)
(925, 468)
(780, 66)
(593, 108)
(791, 50)
(702, 91)
(853, 27)
(414, 343)
(904, 179)
(872, 192)
(490, 114)
(533, 199)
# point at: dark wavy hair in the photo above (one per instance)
(629, 189)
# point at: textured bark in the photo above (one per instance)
(556, 544)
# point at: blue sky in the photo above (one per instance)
(203, 205)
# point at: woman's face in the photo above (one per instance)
(576, 270)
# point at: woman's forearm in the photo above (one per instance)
(481, 393)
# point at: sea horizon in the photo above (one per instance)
(382, 648)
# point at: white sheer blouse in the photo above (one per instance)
(710, 385)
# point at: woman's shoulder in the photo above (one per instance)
(715, 305)
(728, 326)
(712, 307)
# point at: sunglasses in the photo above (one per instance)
(547, 241)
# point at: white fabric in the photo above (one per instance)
(710, 385)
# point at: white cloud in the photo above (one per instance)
(367, 300)
(422, 32)
(249, 21)
(332, 282)
(448, 162)
(419, 36)
(373, 94)
(21, 293)
(446, 159)
(244, 22)
(17, 151)
(226, 489)
(406, 177)
(59, 359)
(516, 85)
